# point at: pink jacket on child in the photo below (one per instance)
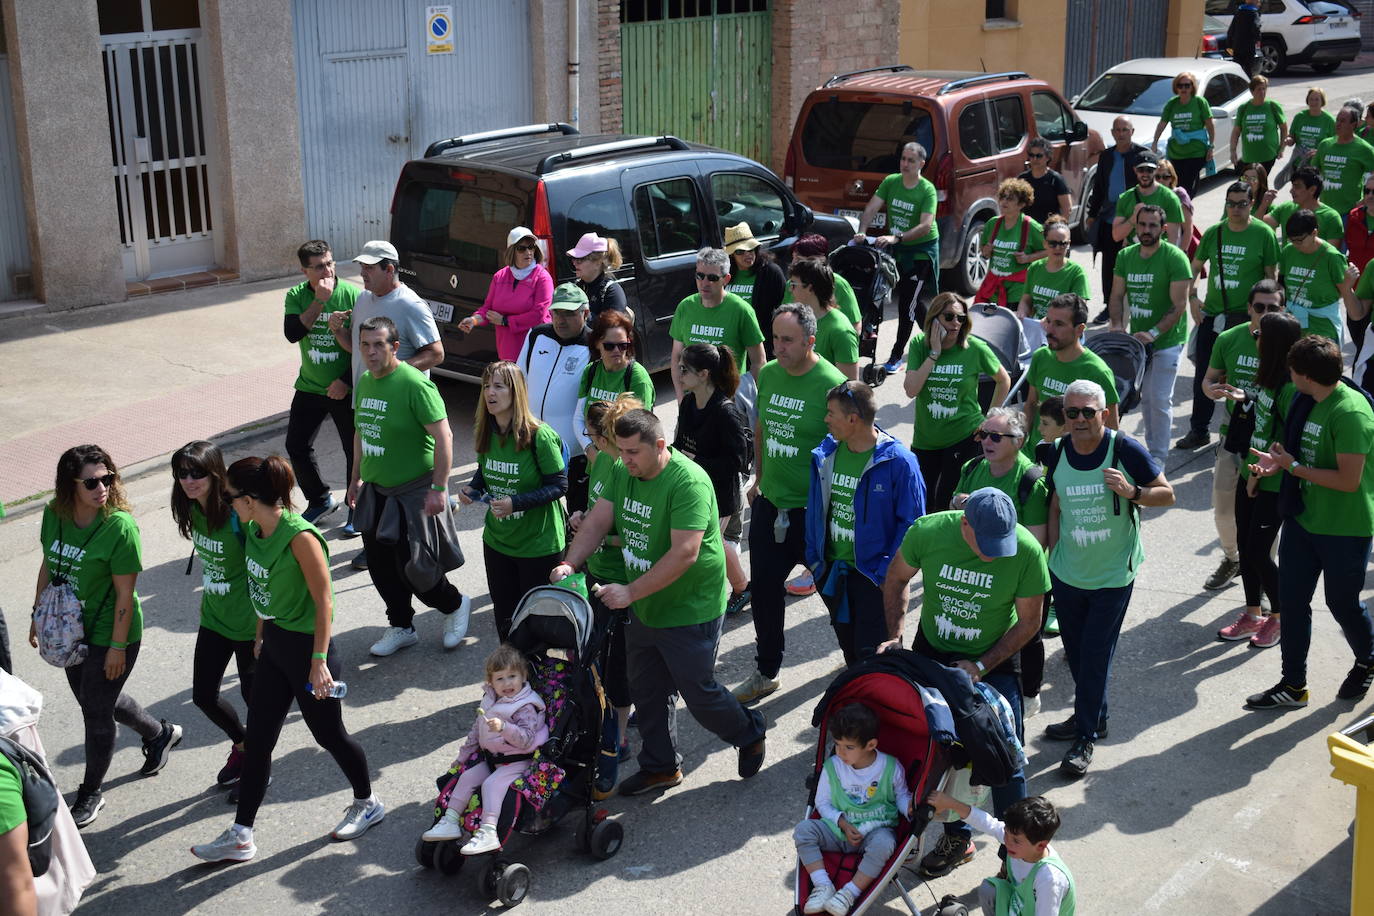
(522, 303)
(524, 727)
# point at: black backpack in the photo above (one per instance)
(1056, 451)
(40, 802)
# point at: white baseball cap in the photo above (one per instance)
(377, 250)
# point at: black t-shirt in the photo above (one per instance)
(716, 436)
(1047, 189)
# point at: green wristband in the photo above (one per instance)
(438, 487)
(119, 645)
(320, 655)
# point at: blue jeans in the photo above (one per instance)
(1341, 561)
(1090, 623)
(1157, 401)
(1009, 686)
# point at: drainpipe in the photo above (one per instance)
(574, 63)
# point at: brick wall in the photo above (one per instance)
(608, 66)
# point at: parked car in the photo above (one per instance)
(1321, 33)
(1214, 31)
(660, 198)
(1139, 88)
(850, 132)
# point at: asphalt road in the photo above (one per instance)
(1191, 805)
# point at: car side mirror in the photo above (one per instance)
(1079, 132)
(1220, 114)
(805, 216)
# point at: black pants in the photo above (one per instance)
(918, 283)
(1108, 248)
(1204, 406)
(308, 412)
(578, 480)
(940, 468)
(6, 662)
(860, 636)
(508, 578)
(1257, 526)
(386, 563)
(1358, 327)
(103, 703)
(213, 652)
(614, 677)
(283, 675)
(769, 563)
(1032, 656)
(1188, 171)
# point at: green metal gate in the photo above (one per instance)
(700, 71)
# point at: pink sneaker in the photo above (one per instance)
(1244, 627)
(1268, 635)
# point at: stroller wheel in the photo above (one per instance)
(582, 839)
(488, 878)
(513, 884)
(606, 839)
(424, 853)
(448, 859)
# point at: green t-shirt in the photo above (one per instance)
(1259, 126)
(1042, 284)
(969, 603)
(606, 563)
(1051, 378)
(906, 206)
(1364, 287)
(1309, 129)
(600, 384)
(391, 415)
(276, 583)
(1189, 117)
(224, 604)
(977, 473)
(836, 341)
(88, 558)
(742, 284)
(845, 471)
(947, 408)
(845, 300)
(1330, 224)
(1270, 409)
(1006, 244)
(1099, 533)
(1343, 167)
(507, 471)
(792, 419)
(1147, 289)
(1163, 197)
(1244, 256)
(1342, 424)
(12, 811)
(647, 512)
(732, 323)
(1237, 356)
(322, 359)
(1312, 281)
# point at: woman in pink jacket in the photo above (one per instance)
(519, 296)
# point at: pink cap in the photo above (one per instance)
(587, 244)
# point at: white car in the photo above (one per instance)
(1139, 88)
(1320, 33)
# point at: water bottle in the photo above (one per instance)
(337, 692)
(780, 525)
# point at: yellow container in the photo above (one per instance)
(1352, 762)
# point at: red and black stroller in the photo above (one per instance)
(554, 628)
(872, 273)
(890, 685)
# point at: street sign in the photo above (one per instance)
(439, 30)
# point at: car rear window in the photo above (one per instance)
(463, 223)
(1128, 93)
(864, 136)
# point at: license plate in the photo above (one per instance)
(443, 311)
(879, 219)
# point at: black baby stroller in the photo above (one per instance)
(1128, 359)
(890, 685)
(873, 274)
(1000, 329)
(554, 628)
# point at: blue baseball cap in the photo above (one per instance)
(992, 516)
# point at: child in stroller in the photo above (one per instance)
(510, 725)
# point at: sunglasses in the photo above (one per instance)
(525, 247)
(1087, 413)
(1259, 308)
(1053, 244)
(714, 278)
(1238, 204)
(615, 345)
(1036, 156)
(192, 474)
(995, 437)
(229, 496)
(1011, 197)
(1184, 86)
(1368, 192)
(90, 483)
(954, 316)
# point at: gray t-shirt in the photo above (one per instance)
(414, 323)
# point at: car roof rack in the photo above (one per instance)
(527, 130)
(838, 77)
(548, 163)
(968, 81)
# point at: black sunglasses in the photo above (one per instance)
(1087, 413)
(954, 316)
(1238, 204)
(192, 474)
(1259, 308)
(525, 247)
(714, 278)
(229, 496)
(1053, 244)
(1368, 192)
(995, 437)
(615, 345)
(90, 483)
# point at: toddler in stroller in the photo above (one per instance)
(510, 725)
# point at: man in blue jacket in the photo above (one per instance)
(866, 490)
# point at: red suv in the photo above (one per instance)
(975, 126)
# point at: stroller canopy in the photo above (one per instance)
(552, 617)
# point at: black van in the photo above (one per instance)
(660, 198)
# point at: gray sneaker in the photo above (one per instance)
(1227, 571)
(227, 847)
(756, 687)
(393, 640)
(358, 818)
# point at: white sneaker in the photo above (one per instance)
(820, 896)
(393, 639)
(447, 829)
(840, 904)
(1030, 706)
(227, 847)
(484, 840)
(358, 818)
(456, 624)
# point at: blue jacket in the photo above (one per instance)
(891, 495)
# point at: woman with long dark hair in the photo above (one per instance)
(291, 593)
(91, 541)
(228, 626)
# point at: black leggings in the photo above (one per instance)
(1257, 525)
(283, 675)
(940, 469)
(213, 651)
(508, 578)
(614, 678)
(911, 302)
(1188, 171)
(103, 703)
